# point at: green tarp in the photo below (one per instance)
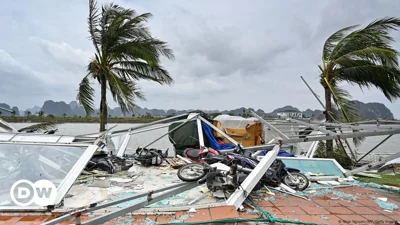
(185, 136)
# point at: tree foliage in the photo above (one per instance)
(125, 53)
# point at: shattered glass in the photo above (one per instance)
(33, 163)
(322, 167)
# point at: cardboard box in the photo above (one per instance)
(249, 136)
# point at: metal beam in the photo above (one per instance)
(315, 95)
(150, 124)
(172, 130)
(372, 164)
(73, 174)
(148, 129)
(80, 211)
(312, 126)
(342, 136)
(375, 147)
(124, 144)
(241, 193)
(328, 137)
(200, 132)
(331, 116)
(219, 131)
(7, 110)
(149, 200)
(274, 129)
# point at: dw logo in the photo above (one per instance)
(42, 193)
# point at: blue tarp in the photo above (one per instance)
(281, 153)
(211, 139)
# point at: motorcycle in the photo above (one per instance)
(222, 177)
(277, 173)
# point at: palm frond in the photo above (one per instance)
(376, 34)
(352, 111)
(367, 74)
(137, 70)
(148, 50)
(377, 56)
(85, 96)
(124, 92)
(332, 41)
(126, 53)
(40, 127)
(344, 99)
(93, 22)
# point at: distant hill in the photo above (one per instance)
(373, 110)
(369, 111)
(5, 113)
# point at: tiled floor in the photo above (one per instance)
(327, 209)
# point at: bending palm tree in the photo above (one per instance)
(362, 57)
(125, 52)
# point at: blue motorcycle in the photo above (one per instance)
(276, 174)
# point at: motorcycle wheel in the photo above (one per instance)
(191, 172)
(301, 185)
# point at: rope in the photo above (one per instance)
(264, 217)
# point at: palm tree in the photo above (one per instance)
(362, 57)
(125, 53)
(13, 113)
(64, 115)
(40, 113)
(28, 113)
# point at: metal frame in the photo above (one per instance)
(200, 132)
(149, 124)
(316, 159)
(7, 110)
(219, 131)
(7, 126)
(372, 164)
(241, 193)
(270, 126)
(78, 212)
(155, 128)
(73, 174)
(376, 146)
(124, 144)
(172, 130)
(149, 200)
(312, 126)
(68, 180)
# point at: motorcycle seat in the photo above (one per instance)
(193, 153)
(218, 157)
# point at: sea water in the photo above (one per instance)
(392, 145)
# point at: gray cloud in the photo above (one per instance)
(228, 53)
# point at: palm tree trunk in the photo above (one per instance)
(103, 104)
(328, 106)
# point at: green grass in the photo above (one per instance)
(393, 180)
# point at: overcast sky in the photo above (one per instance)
(229, 53)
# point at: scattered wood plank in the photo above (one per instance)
(176, 163)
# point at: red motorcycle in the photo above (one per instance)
(198, 155)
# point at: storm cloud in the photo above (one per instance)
(229, 54)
